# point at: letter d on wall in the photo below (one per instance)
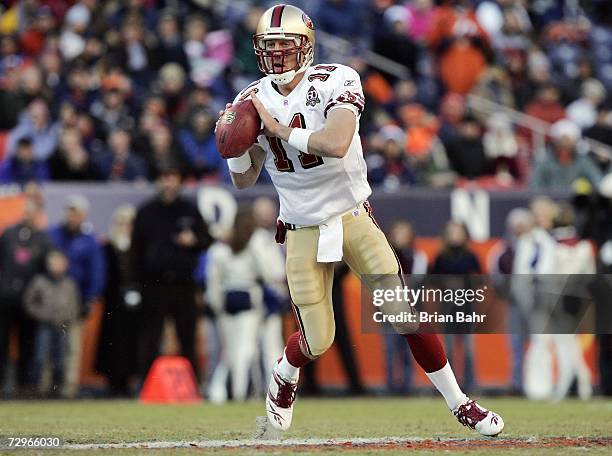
(218, 207)
(472, 208)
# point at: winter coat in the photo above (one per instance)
(54, 301)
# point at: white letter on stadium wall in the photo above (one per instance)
(218, 207)
(472, 208)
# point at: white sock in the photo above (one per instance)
(288, 371)
(444, 380)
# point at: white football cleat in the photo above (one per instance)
(279, 402)
(474, 416)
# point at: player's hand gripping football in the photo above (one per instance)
(271, 126)
(227, 106)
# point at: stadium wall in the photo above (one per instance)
(484, 212)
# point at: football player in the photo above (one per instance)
(311, 148)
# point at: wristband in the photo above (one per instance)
(240, 164)
(298, 138)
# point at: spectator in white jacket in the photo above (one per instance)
(534, 261)
(235, 270)
(276, 294)
(501, 262)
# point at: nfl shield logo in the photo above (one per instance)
(312, 97)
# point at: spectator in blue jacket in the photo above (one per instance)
(75, 239)
(22, 167)
(119, 163)
(36, 123)
(198, 144)
(87, 268)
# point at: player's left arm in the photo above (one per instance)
(333, 140)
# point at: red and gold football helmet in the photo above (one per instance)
(284, 22)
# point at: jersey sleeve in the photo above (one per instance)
(347, 92)
(244, 93)
(253, 87)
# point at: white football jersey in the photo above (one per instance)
(312, 189)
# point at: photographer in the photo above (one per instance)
(169, 235)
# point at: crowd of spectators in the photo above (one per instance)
(112, 91)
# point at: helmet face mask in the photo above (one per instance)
(284, 23)
(275, 61)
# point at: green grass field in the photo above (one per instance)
(103, 422)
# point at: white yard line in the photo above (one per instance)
(252, 443)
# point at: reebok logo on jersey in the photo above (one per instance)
(349, 83)
(312, 97)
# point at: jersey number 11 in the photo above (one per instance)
(281, 160)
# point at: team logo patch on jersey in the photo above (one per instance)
(312, 97)
(307, 21)
(349, 83)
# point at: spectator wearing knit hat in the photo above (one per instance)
(561, 164)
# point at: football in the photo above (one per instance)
(238, 129)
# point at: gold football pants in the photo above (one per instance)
(365, 250)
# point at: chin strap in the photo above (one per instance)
(286, 78)
(283, 78)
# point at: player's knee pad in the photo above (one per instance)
(308, 286)
(306, 283)
(377, 257)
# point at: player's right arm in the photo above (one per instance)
(249, 177)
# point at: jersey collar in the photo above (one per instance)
(297, 87)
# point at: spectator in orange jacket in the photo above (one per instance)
(460, 43)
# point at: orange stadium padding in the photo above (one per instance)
(170, 381)
(11, 210)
